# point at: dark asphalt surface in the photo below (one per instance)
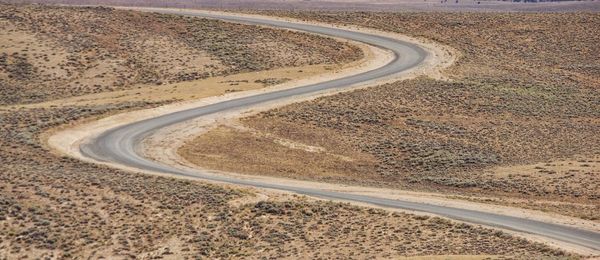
(120, 145)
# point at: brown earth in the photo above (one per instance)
(56, 52)
(53, 206)
(352, 5)
(523, 100)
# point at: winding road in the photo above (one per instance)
(121, 145)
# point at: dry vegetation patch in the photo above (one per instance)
(56, 52)
(525, 91)
(58, 207)
(516, 48)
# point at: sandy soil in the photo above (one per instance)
(522, 94)
(53, 206)
(357, 5)
(68, 139)
(164, 143)
(52, 53)
(190, 90)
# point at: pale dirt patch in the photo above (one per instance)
(189, 90)
(551, 167)
(166, 141)
(281, 141)
(14, 40)
(255, 153)
(450, 257)
(170, 249)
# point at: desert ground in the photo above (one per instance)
(516, 123)
(352, 5)
(54, 206)
(51, 52)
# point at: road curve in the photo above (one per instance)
(121, 145)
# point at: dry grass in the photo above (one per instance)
(352, 5)
(519, 49)
(58, 207)
(53, 206)
(257, 153)
(524, 92)
(56, 52)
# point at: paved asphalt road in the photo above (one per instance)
(119, 145)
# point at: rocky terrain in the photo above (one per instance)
(56, 207)
(55, 52)
(517, 123)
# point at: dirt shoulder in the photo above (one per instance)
(516, 126)
(68, 139)
(59, 207)
(55, 206)
(162, 147)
